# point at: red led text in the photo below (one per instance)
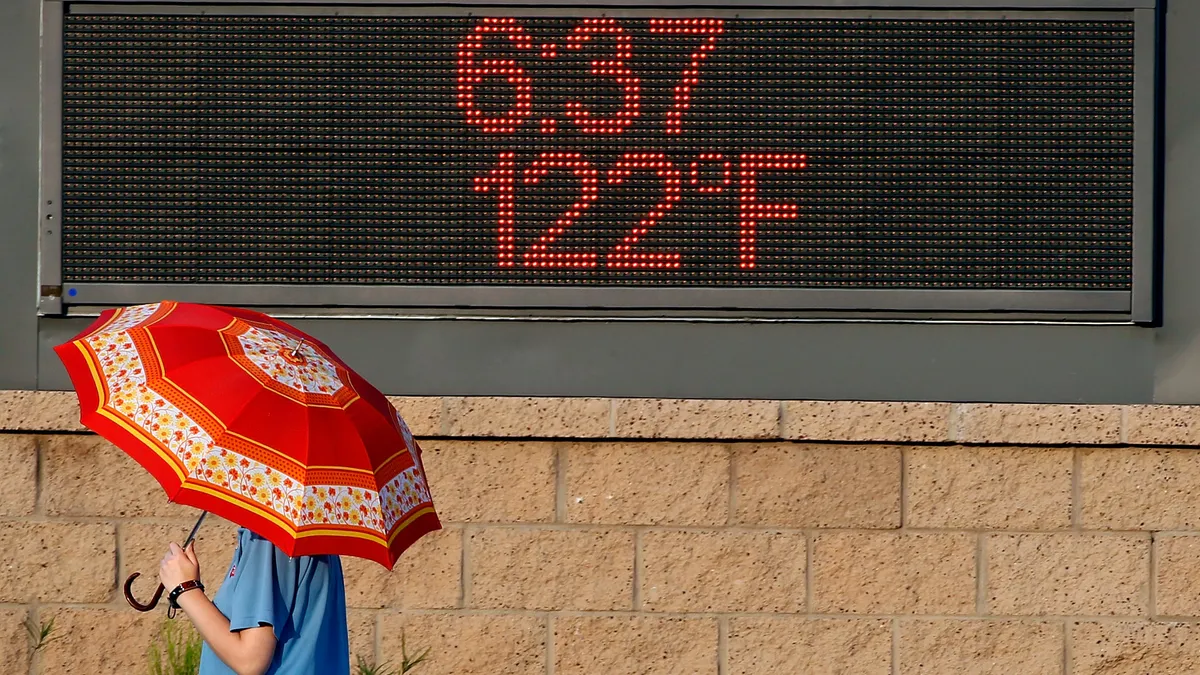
(502, 180)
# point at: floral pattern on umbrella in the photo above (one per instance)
(207, 460)
(287, 365)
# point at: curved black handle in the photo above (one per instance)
(157, 594)
(133, 602)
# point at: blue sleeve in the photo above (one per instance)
(266, 591)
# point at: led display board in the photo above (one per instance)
(694, 159)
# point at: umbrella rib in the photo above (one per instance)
(305, 463)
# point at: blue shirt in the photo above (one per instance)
(303, 599)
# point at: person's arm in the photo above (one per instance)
(247, 652)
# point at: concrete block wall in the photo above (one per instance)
(663, 537)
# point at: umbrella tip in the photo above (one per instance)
(295, 353)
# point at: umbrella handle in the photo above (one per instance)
(133, 602)
(158, 593)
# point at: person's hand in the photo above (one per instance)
(178, 566)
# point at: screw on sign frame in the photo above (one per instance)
(503, 178)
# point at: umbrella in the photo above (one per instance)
(244, 416)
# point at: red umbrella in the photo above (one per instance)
(247, 417)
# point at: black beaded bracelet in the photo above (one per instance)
(173, 596)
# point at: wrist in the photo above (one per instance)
(190, 600)
(184, 588)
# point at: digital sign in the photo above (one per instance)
(473, 72)
(652, 150)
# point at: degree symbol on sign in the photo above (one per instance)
(716, 158)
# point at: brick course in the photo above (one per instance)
(931, 647)
(810, 646)
(647, 483)
(894, 573)
(715, 571)
(817, 486)
(517, 568)
(992, 488)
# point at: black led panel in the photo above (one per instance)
(573, 151)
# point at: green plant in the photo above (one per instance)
(407, 662)
(39, 635)
(364, 667)
(176, 653)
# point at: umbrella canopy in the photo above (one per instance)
(240, 414)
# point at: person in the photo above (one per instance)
(273, 615)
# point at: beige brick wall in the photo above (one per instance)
(649, 537)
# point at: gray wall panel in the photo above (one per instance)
(791, 361)
(1062, 364)
(1178, 363)
(19, 24)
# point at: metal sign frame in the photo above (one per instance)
(1135, 306)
